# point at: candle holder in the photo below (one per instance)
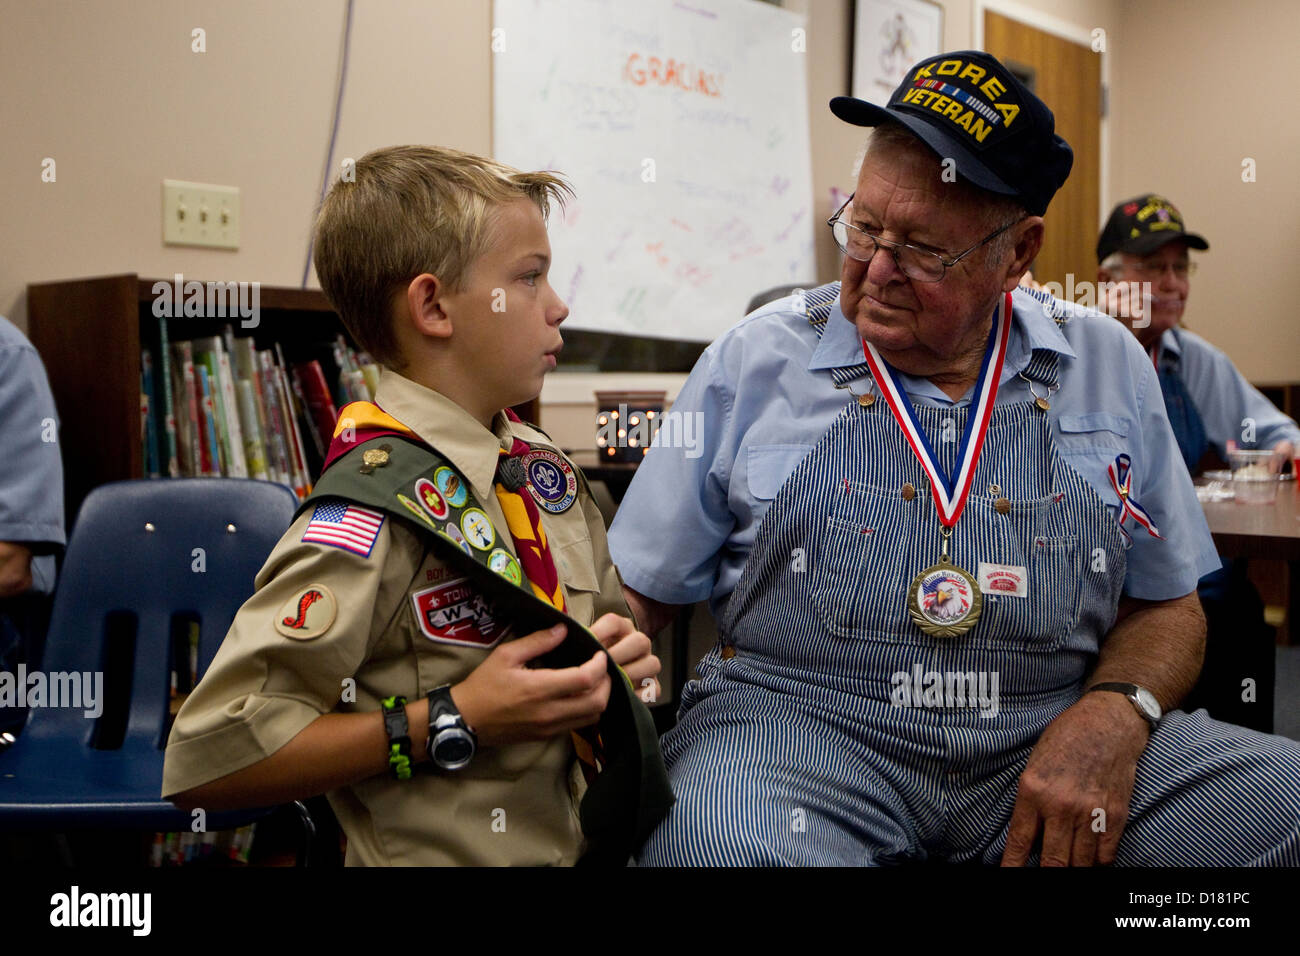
(626, 424)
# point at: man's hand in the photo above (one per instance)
(1085, 761)
(632, 651)
(506, 701)
(1116, 300)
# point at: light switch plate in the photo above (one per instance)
(200, 214)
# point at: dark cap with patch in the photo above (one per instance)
(1142, 225)
(968, 107)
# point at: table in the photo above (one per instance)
(1263, 531)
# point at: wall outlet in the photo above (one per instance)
(198, 214)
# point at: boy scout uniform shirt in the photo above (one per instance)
(513, 804)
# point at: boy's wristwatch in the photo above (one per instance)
(1144, 702)
(451, 744)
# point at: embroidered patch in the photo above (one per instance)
(449, 485)
(432, 499)
(308, 614)
(551, 480)
(345, 526)
(477, 528)
(505, 564)
(1001, 580)
(416, 510)
(454, 613)
(452, 533)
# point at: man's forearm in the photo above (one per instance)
(1159, 645)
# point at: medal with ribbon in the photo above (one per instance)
(944, 600)
(1121, 479)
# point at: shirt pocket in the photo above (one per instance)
(1089, 445)
(768, 467)
(576, 566)
(1035, 535)
(859, 583)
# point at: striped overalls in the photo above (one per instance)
(798, 744)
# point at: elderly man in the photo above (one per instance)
(1209, 404)
(923, 422)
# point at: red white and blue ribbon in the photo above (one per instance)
(1121, 479)
(950, 492)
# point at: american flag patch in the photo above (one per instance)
(345, 526)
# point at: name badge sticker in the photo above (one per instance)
(1003, 580)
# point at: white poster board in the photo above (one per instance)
(888, 37)
(683, 128)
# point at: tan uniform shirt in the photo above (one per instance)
(513, 804)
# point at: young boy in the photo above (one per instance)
(437, 261)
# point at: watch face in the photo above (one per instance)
(453, 749)
(1147, 701)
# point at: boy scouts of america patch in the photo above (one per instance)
(551, 480)
(454, 613)
(309, 613)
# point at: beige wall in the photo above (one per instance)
(1201, 85)
(112, 92)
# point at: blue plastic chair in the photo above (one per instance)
(132, 565)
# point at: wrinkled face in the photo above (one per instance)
(506, 317)
(1168, 289)
(919, 327)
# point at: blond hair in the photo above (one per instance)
(410, 210)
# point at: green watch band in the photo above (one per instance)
(399, 736)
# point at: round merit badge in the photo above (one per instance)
(503, 563)
(477, 528)
(308, 614)
(427, 493)
(416, 510)
(944, 601)
(551, 480)
(458, 539)
(453, 490)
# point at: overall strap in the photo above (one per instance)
(816, 305)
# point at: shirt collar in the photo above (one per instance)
(1170, 345)
(1031, 328)
(454, 432)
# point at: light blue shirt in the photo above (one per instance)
(761, 396)
(1222, 396)
(31, 471)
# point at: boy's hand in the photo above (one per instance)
(506, 701)
(632, 651)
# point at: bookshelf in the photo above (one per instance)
(90, 333)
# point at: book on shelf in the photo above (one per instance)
(211, 352)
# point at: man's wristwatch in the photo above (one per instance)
(451, 744)
(1143, 701)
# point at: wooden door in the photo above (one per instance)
(1067, 77)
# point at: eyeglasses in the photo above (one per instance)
(1154, 269)
(913, 261)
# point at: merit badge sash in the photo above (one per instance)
(386, 466)
(944, 600)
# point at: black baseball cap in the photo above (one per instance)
(1142, 225)
(969, 107)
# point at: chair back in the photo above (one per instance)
(142, 555)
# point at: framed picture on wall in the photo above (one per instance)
(888, 37)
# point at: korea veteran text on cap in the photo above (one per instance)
(969, 107)
(1142, 225)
